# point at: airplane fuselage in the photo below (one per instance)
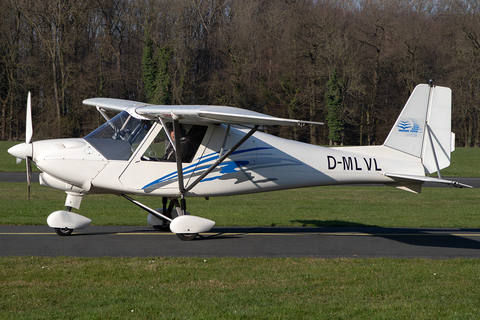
(263, 163)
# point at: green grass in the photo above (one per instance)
(465, 163)
(319, 206)
(236, 288)
(7, 162)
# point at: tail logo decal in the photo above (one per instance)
(409, 127)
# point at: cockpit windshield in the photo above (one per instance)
(119, 137)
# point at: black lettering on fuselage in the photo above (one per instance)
(352, 163)
(347, 164)
(356, 164)
(332, 163)
(368, 163)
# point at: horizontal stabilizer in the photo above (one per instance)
(415, 187)
(426, 179)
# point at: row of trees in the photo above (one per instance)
(285, 58)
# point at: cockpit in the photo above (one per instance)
(191, 138)
(119, 137)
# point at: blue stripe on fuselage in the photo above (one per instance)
(227, 167)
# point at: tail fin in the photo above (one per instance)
(423, 129)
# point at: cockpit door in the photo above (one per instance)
(152, 167)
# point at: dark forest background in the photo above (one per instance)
(279, 57)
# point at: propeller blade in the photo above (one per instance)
(28, 139)
(29, 175)
(29, 127)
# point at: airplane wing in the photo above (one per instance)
(217, 114)
(111, 104)
(421, 179)
(195, 113)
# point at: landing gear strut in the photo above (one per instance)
(166, 216)
(184, 225)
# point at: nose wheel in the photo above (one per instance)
(63, 231)
(187, 236)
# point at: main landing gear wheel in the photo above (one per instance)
(187, 236)
(63, 231)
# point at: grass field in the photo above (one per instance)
(231, 288)
(234, 288)
(320, 206)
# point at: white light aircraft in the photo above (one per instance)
(223, 153)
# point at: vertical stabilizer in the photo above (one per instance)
(423, 129)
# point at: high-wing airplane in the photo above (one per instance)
(181, 151)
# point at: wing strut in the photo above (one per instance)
(178, 156)
(222, 158)
(224, 142)
(102, 112)
(166, 133)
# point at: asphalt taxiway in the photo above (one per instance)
(131, 241)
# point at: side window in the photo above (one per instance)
(156, 150)
(161, 149)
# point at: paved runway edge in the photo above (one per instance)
(147, 230)
(318, 242)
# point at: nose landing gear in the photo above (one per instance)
(64, 222)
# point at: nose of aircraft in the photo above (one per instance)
(22, 150)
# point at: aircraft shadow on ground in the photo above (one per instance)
(430, 237)
(209, 236)
(101, 233)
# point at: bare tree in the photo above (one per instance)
(10, 35)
